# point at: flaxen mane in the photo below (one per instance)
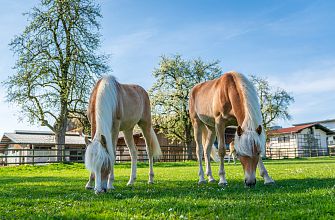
(253, 118)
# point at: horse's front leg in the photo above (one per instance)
(208, 149)
(98, 186)
(199, 148)
(90, 183)
(115, 134)
(220, 129)
(264, 173)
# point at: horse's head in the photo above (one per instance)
(96, 156)
(248, 146)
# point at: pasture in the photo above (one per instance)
(305, 188)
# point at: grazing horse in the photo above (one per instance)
(214, 105)
(115, 107)
(232, 152)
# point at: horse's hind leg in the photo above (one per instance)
(146, 129)
(210, 138)
(128, 136)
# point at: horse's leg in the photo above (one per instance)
(208, 148)
(220, 131)
(115, 135)
(90, 183)
(146, 130)
(229, 155)
(234, 157)
(98, 187)
(197, 125)
(128, 136)
(264, 173)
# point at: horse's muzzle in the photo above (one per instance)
(250, 183)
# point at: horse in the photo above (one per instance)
(115, 107)
(232, 152)
(215, 104)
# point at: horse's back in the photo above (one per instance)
(212, 97)
(134, 105)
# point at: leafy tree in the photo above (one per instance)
(170, 94)
(56, 63)
(274, 102)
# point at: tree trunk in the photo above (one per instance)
(188, 138)
(60, 134)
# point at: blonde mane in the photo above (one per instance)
(253, 118)
(105, 108)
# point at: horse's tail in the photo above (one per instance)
(156, 149)
(214, 150)
(105, 110)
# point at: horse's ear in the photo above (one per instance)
(259, 130)
(87, 142)
(103, 141)
(239, 131)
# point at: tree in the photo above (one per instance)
(56, 63)
(170, 94)
(274, 102)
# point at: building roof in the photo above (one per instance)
(298, 128)
(39, 138)
(316, 122)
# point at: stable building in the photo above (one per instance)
(305, 140)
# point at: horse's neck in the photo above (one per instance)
(238, 106)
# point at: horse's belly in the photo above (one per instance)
(207, 120)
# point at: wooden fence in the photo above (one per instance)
(170, 154)
(49, 155)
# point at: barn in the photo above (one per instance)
(305, 140)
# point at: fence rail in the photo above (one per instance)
(170, 154)
(77, 154)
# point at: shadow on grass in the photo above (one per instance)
(67, 187)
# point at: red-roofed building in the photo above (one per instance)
(299, 141)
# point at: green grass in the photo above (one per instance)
(304, 189)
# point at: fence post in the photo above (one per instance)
(33, 160)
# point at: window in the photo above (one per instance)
(284, 139)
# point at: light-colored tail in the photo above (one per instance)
(156, 149)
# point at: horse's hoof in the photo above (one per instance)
(89, 187)
(269, 183)
(130, 184)
(223, 184)
(100, 191)
(212, 181)
(150, 182)
(202, 182)
(110, 188)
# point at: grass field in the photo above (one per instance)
(304, 189)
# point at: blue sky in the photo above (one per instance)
(290, 42)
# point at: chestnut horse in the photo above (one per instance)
(115, 107)
(214, 105)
